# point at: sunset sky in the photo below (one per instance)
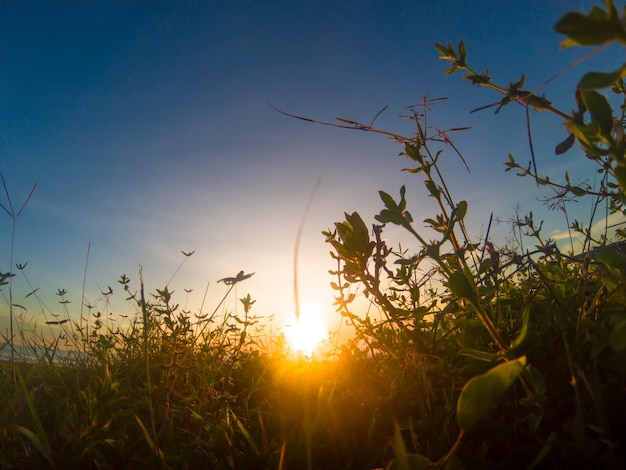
(148, 129)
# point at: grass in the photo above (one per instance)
(219, 402)
(472, 355)
(173, 391)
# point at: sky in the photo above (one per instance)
(148, 129)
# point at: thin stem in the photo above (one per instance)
(146, 350)
(11, 290)
(459, 440)
(215, 311)
(82, 298)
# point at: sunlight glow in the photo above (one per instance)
(307, 334)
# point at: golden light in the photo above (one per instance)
(308, 333)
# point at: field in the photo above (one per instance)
(478, 356)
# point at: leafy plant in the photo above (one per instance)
(492, 309)
(465, 354)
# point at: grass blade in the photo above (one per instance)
(39, 445)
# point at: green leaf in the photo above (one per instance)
(443, 50)
(40, 439)
(461, 210)
(583, 30)
(432, 222)
(593, 80)
(481, 355)
(342, 228)
(37, 443)
(246, 434)
(402, 204)
(600, 110)
(577, 191)
(565, 145)
(486, 390)
(402, 460)
(387, 216)
(153, 445)
(618, 336)
(478, 79)
(432, 188)
(521, 336)
(387, 200)
(620, 176)
(360, 234)
(461, 286)
(462, 52)
(610, 256)
(412, 151)
(539, 102)
(413, 170)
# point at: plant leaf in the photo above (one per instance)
(611, 257)
(387, 200)
(600, 110)
(593, 80)
(461, 210)
(246, 434)
(360, 235)
(618, 336)
(402, 460)
(153, 445)
(432, 188)
(481, 355)
(37, 443)
(484, 391)
(461, 286)
(521, 336)
(583, 30)
(565, 145)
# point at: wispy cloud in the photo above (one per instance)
(606, 225)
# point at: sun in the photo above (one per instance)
(307, 334)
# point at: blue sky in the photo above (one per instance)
(148, 129)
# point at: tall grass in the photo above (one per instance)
(8, 277)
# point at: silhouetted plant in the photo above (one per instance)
(8, 276)
(468, 355)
